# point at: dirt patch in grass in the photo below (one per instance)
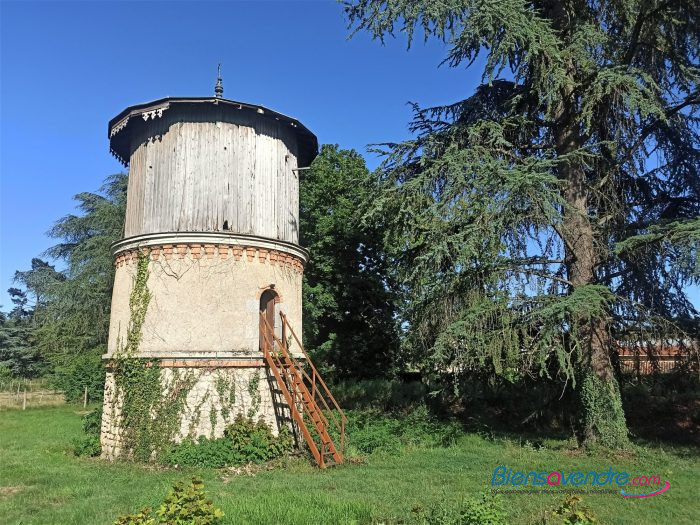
(6, 492)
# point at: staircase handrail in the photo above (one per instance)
(293, 367)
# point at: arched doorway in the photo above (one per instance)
(267, 309)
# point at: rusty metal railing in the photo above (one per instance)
(305, 391)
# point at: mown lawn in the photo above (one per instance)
(41, 481)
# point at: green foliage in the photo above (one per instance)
(87, 446)
(151, 411)
(679, 237)
(71, 308)
(18, 353)
(348, 308)
(571, 512)
(244, 441)
(381, 394)
(226, 389)
(604, 416)
(84, 369)
(486, 509)
(528, 223)
(370, 431)
(89, 443)
(203, 452)
(6, 374)
(138, 306)
(254, 393)
(187, 505)
(92, 422)
(143, 517)
(184, 505)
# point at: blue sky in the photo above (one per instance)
(67, 68)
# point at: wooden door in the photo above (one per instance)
(267, 309)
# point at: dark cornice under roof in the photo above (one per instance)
(118, 127)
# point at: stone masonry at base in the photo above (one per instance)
(216, 396)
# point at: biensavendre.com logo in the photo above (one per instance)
(507, 477)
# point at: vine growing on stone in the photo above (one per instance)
(150, 407)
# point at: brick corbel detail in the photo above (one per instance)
(253, 255)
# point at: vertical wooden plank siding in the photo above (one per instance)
(192, 174)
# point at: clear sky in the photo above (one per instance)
(68, 68)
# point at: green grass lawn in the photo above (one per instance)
(42, 482)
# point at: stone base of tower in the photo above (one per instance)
(211, 395)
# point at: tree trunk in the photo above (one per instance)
(602, 418)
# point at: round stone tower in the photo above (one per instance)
(210, 241)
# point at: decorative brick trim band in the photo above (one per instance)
(211, 363)
(201, 363)
(211, 251)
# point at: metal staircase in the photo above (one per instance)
(313, 408)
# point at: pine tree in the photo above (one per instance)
(18, 355)
(553, 213)
(72, 307)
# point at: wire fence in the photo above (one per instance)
(30, 385)
(28, 393)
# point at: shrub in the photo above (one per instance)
(255, 441)
(188, 505)
(570, 512)
(185, 505)
(83, 369)
(143, 517)
(380, 394)
(89, 443)
(92, 422)
(5, 374)
(203, 452)
(372, 431)
(244, 441)
(487, 509)
(87, 446)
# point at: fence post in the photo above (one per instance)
(24, 400)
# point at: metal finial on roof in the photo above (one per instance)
(219, 88)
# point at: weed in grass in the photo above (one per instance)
(485, 509)
(89, 443)
(371, 431)
(185, 504)
(569, 512)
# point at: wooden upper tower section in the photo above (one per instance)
(211, 165)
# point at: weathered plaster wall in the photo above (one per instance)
(205, 299)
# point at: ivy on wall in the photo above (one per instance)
(151, 407)
(227, 395)
(152, 400)
(254, 392)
